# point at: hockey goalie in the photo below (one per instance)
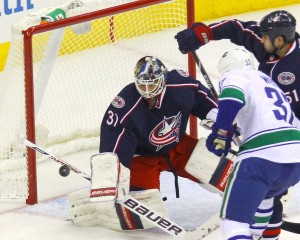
(143, 133)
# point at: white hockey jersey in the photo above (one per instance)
(266, 119)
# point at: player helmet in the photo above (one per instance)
(278, 23)
(237, 59)
(149, 76)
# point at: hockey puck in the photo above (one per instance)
(64, 171)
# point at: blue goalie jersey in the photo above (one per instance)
(129, 127)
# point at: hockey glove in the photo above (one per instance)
(193, 38)
(110, 179)
(219, 144)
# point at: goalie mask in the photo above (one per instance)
(278, 23)
(237, 59)
(149, 76)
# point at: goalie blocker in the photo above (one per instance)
(212, 171)
(110, 179)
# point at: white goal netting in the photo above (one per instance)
(77, 70)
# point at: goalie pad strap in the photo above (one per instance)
(173, 170)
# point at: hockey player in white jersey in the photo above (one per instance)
(268, 160)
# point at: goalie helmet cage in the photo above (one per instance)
(73, 68)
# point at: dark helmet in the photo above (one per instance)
(149, 74)
(278, 23)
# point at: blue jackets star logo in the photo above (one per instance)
(166, 132)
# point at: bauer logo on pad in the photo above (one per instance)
(221, 175)
(101, 192)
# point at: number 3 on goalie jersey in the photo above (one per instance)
(282, 103)
(112, 118)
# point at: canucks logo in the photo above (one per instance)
(166, 132)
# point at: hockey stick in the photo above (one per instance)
(205, 75)
(130, 203)
(160, 221)
(205, 229)
(236, 139)
(56, 159)
(290, 227)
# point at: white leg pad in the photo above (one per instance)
(85, 213)
(81, 210)
(152, 199)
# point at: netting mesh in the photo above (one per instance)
(76, 76)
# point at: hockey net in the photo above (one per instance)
(78, 61)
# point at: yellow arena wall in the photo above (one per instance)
(204, 10)
(4, 48)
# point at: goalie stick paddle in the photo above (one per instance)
(205, 229)
(154, 217)
(169, 226)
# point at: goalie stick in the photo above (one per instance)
(56, 159)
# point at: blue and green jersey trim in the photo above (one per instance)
(232, 93)
(270, 138)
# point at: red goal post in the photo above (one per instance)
(51, 75)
